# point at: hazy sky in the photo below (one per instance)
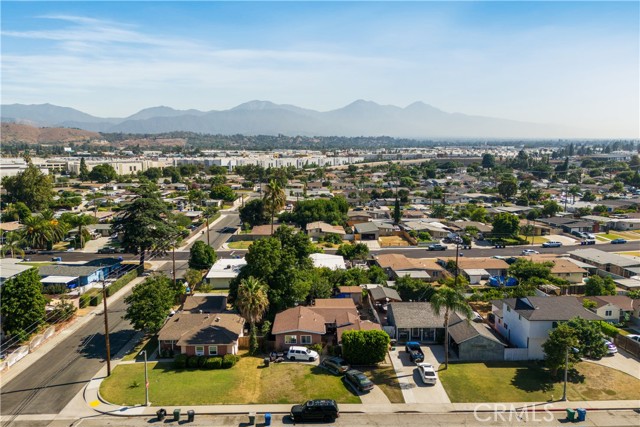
(570, 63)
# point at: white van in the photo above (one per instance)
(301, 353)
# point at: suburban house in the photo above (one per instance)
(397, 265)
(612, 308)
(415, 321)
(78, 275)
(367, 230)
(383, 295)
(526, 322)
(322, 229)
(357, 217)
(353, 292)
(562, 268)
(471, 341)
(476, 269)
(11, 267)
(606, 262)
(224, 271)
(332, 262)
(202, 328)
(325, 321)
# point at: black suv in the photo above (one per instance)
(324, 410)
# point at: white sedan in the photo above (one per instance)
(427, 373)
(529, 252)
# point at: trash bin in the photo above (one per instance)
(161, 414)
(191, 415)
(571, 414)
(266, 361)
(582, 414)
(267, 419)
(252, 418)
(176, 415)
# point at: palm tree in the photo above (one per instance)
(252, 301)
(13, 243)
(36, 232)
(274, 199)
(80, 221)
(451, 300)
(58, 228)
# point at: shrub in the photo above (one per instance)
(121, 282)
(365, 347)
(180, 361)
(201, 361)
(213, 363)
(192, 362)
(95, 300)
(315, 347)
(608, 329)
(228, 360)
(84, 300)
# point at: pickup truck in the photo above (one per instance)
(415, 352)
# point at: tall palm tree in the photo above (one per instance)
(274, 199)
(252, 301)
(451, 300)
(13, 243)
(37, 232)
(81, 221)
(58, 228)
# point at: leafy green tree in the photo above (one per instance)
(331, 211)
(508, 187)
(589, 337)
(351, 251)
(365, 347)
(505, 225)
(561, 339)
(488, 161)
(252, 303)
(223, 192)
(274, 199)
(596, 285)
(84, 171)
(414, 289)
(439, 211)
(31, 187)
(635, 294)
(81, 221)
(253, 213)
(144, 226)
(23, 305)
(550, 208)
(153, 174)
(525, 270)
(451, 300)
(588, 196)
(201, 256)
(103, 173)
(193, 277)
(149, 303)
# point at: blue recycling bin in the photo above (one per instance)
(267, 419)
(582, 414)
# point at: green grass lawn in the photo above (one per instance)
(610, 236)
(37, 264)
(146, 343)
(384, 376)
(536, 239)
(242, 244)
(529, 382)
(247, 382)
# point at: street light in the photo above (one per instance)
(146, 380)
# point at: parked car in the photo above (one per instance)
(588, 242)
(336, 365)
(611, 347)
(529, 252)
(358, 380)
(552, 244)
(415, 352)
(56, 259)
(476, 317)
(436, 247)
(427, 373)
(107, 250)
(301, 353)
(29, 251)
(591, 236)
(636, 338)
(579, 234)
(618, 241)
(315, 410)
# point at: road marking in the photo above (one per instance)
(94, 403)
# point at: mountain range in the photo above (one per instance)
(360, 118)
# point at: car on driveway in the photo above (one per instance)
(529, 252)
(618, 241)
(358, 380)
(301, 353)
(315, 410)
(552, 244)
(337, 365)
(415, 352)
(436, 247)
(427, 373)
(611, 347)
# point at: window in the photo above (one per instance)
(213, 350)
(305, 339)
(290, 339)
(506, 326)
(608, 313)
(554, 325)
(199, 350)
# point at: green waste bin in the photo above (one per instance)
(176, 415)
(571, 414)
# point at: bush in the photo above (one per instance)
(121, 282)
(201, 361)
(365, 347)
(84, 300)
(96, 300)
(180, 361)
(166, 354)
(315, 347)
(608, 329)
(192, 362)
(213, 363)
(228, 360)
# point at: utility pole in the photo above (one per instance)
(173, 260)
(455, 285)
(566, 374)
(208, 236)
(106, 325)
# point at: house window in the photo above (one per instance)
(608, 313)
(506, 326)
(213, 350)
(291, 339)
(554, 325)
(199, 350)
(305, 339)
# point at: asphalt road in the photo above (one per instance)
(50, 383)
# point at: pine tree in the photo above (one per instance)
(84, 171)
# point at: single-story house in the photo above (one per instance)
(322, 229)
(607, 262)
(11, 267)
(383, 295)
(398, 265)
(471, 341)
(612, 308)
(415, 321)
(103, 230)
(353, 292)
(205, 304)
(493, 266)
(223, 271)
(332, 262)
(367, 230)
(357, 217)
(85, 275)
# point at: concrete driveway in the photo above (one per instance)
(413, 390)
(621, 361)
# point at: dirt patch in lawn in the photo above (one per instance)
(388, 241)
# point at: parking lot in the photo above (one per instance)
(413, 389)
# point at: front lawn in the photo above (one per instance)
(536, 239)
(146, 343)
(391, 241)
(530, 382)
(241, 244)
(247, 382)
(384, 376)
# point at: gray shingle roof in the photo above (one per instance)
(382, 292)
(464, 331)
(550, 308)
(416, 315)
(66, 270)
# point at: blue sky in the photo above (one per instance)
(570, 63)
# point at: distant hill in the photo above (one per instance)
(360, 118)
(14, 132)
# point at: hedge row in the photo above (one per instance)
(608, 329)
(227, 361)
(92, 297)
(121, 282)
